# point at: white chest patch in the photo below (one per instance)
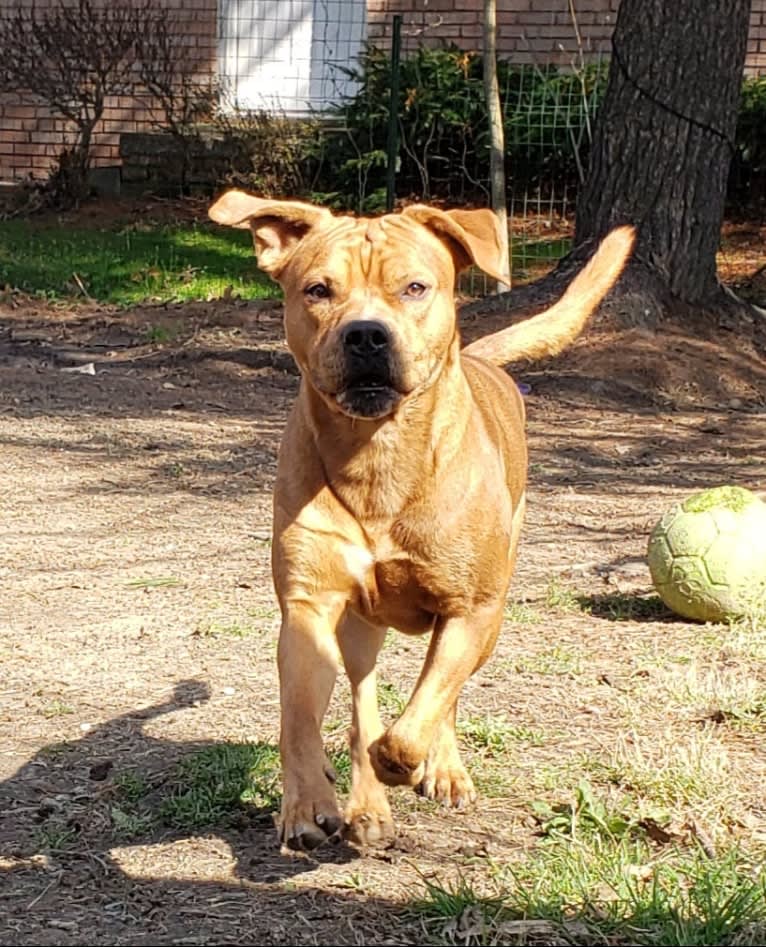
(358, 561)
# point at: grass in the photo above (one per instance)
(55, 837)
(601, 889)
(554, 661)
(558, 595)
(494, 736)
(225, 629)
(128, 266)
(212, 786)
(57, 708)
(688, 778)
(390, 699)
(521, 614)
(720, 694)
(155, 582)
(215, 786)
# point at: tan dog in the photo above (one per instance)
(400, 490)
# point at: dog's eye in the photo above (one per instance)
(416, 290)
(317, 291)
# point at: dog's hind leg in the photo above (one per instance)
(445, 778)
(368, 815)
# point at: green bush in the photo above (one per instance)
(443, 127)
(339, 157)
(747, 179)
(273, 155)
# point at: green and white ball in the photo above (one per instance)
(707, 555)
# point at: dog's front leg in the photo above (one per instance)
(445, 778)
(308, 660)
(459, 645)
(368, 814)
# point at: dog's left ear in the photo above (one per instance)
(278, 226)
(473, 236)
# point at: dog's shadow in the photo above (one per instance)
(69, 815)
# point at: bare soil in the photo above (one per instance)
(136, 483)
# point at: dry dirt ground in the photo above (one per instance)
(138, 624)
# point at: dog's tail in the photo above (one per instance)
(551, 331)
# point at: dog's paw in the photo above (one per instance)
(445, 778)
(306, 823)
(369, 825)
(306, 830)
(394, 761)
(451, 786)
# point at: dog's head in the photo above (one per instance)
(369, 309)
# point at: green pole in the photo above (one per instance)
(392, 148)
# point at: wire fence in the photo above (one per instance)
(304, 58)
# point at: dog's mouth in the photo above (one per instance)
(371, 397)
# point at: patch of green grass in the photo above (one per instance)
(55, 837)
(390, 699)
(263, 612)
(603, 891)
(494, 736)
(129, 824)
(552, 661)
(521, 613)
(492, 777)
(684, 773)
(56, 751)
(721, 695)
(225, 629)
(155, 582)
(456, 912)
(130, 786)
(341, 763)
(158, 335)
(744, 640)
(214, 785)
(561, 596)
(124, 267)
(57, 708)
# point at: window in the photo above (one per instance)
(284, 55)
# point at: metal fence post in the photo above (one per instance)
(392, 147)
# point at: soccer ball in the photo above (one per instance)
(707, 555)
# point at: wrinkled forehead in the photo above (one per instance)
(389, 246)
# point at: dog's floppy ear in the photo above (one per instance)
(473, 235)
(278, 226)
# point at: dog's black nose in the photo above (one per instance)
(365, 338)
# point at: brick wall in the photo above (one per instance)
(528, 31)
(31, 138)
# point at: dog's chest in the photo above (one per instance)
(392, 587)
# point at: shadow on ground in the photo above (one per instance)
(71, 874)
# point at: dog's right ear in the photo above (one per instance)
(278, 226)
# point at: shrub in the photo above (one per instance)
(444, 134)
(747, 179)
(271, 154)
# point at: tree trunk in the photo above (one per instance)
(665, 137)
(660, 157)
(496, 136)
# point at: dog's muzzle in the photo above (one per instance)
(369, 390)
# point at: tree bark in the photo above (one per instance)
(665, 137)
(662, 147)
